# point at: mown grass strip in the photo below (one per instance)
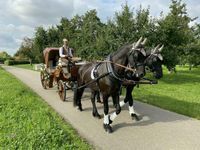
(178, 92)
(27, 122)
(25, 66)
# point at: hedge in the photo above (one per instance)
(16, 62)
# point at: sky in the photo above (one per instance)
(19, 18)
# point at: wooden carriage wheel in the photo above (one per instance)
(62, 90)
(44, 79)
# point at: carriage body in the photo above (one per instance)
(52, 73)
(50, 59)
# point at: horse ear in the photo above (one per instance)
(138, 42)
(155, 49)
(160, 57)
(160, 49)
(143, 52)
(144, 41)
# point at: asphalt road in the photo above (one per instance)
(158, 130)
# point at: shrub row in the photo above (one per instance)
(16, 62)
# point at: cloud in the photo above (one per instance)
(19, 18)
(37, 12)
(11, 36)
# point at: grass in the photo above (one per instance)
(178, 92)
(25, 66)
(27, 122)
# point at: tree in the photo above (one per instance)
(53, 37)
(90, 30)
(26, 50)
(192, 51)
(174, 33)
(125, 26)
(4, 56)
(40, 43)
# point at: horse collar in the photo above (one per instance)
(111, 71)
(94, 73)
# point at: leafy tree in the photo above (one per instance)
(173, 32)
(53, 37)
(4, 56)
(91, 29)
(26, 50)
(76, 26)
(125, 25)
(192, 50)
(40, 43)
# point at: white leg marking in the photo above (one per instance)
(106, 119)
(131, 110)
(113, 116)
(121, 103)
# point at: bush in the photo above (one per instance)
(16, 62)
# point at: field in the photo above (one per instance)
(25, 66)
(27, 122)
(178, 92)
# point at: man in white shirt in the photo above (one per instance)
(66, 55)
(64, 51)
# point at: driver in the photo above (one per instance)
(66, 55)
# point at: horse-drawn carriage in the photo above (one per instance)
(53, 74)
(125, 66)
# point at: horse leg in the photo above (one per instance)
(117, 106)
(78, 99)
(106, 121)
(129, 98)
(97, 95)
(94, 109)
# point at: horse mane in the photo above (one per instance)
(122, 48)
(148, 52)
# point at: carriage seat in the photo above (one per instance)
(52, 66)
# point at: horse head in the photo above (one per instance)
(154, 61)
(136, 58)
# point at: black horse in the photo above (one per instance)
(154, 62)
(110, 74)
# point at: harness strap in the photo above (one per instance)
(93, 81)
(127, 68)
(111, 71)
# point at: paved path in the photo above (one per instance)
(159, 129)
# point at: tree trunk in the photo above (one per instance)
(190, 67)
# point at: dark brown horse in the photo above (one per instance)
(111, 73)
(154, 62)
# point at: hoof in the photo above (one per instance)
(96, 115)
(80, 108)
(99, 101)
(135, 117)
(107, 128)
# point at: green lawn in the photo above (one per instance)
(27, 122)
(25, 66)
(178, 92)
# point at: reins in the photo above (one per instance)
(127, 68)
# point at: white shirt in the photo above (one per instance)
(69, 52)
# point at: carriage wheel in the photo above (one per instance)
(44, 80)
(62, 90)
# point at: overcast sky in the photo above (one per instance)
(18, 18)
